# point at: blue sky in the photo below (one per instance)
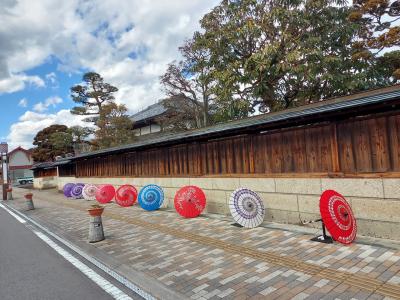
(46, 46)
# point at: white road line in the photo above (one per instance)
(108, 287)
(13, 214)
(130, 285)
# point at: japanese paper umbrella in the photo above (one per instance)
(105, 193)
(190, 201)
(126, 195)
(151, 197)
(67, 189)
(89, 192)
(338, 217)
(76, 191)
(247, 208)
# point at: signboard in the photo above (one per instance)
(3, 147)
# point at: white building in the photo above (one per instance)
(20, 161)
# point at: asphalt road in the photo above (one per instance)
(30, 269)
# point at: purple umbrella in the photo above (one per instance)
(76, 191)
(67, 189)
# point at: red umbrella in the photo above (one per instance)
(338, 217)
(190, 201)
(105, 193)
(126, 195)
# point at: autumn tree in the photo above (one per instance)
(188, 83)
(91, 96)
(379, 32)
(181, 114)
(115, 127)
(50, 142)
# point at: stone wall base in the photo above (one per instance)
(375, 202)
(42, 183)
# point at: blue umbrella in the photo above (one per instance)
(151, 197)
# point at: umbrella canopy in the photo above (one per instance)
(67, 189)
(338, 217)
(151, 197)
(105, 193)
(76, 191)
(126, 195)
(190, 201)
(247, 208)
(89, 192)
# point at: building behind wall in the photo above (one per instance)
(20, 162)
(145, 121)
(349, 144)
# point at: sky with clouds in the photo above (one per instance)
(46, 46)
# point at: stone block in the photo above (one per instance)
(305, 186)
(306, 217)
(284, 202)
(275, 215)
(376, 209)
(216, 208)
(225, 184)
(308, 203)
(264, 185)
(178, 182)
(379, 229)
(202, 182)
(163, 181)
(215, 196)
(391, 187)
(354, 187)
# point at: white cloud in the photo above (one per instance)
(23, 102)
(23, 132)
(129, 42)
(15, 83)
(43, 106)
(52, 79)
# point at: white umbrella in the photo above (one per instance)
(89, 192)
(247, 208)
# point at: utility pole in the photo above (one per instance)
(4, 168)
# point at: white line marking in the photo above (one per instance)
(130, 285)
(13, 214)
(108, 287)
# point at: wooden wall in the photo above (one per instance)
(45, 172)
(356, 146)
(67, 170)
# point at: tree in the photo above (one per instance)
(188, 82)
(269, 55)
(182, 114)
(50, 142)
(379, 31)
(91, 96)
(80, 137)
(115, 127)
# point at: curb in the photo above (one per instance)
(138, 282)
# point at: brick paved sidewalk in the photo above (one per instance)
(207, 258)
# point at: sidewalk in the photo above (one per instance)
(208, 258)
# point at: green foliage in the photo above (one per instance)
(50, 142)
(268, 55)
(115, 127)
(379, 30)
(91, 96)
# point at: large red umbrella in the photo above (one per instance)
(338, 217)
(105, 193)
(190, 201)
(126, 195)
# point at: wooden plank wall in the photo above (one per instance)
(45, 173)
(365, 145)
